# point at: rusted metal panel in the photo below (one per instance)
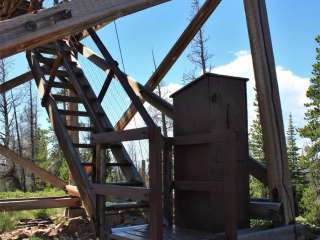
(213, 103)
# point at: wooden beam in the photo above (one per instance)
(105, 86)
(143, 93)
(38, 203)
(201, 186)
(265, 210)
(270, 106)
(125, 192)
(120, 136)
(155, 174)
(15, 82)
(195, 139)
(193, 28)
(69, 18)
(258, 170)
(30, 166)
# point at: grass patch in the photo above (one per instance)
(9, 220)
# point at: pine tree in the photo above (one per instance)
(257, 189)
(312, 115)
(294, 160)
(199, 55)
(311, 131)
(293, 152)
(256, 138)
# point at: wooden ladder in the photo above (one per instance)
(72, 79)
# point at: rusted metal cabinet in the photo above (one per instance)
(207, 108)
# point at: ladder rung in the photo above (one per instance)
(83, 145)
(128, 184)
(74, 113)
(62, 85)
(80, 129)
(122, 164)
(126, 205)
(61, 98)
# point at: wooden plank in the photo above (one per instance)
(270, 106)
(155, 171)
(126, 192)
(100, 178)
(142, 92)
(141, 232)
(105, 86)
(168, 181)
(15, 82)
(258, 170)
(265, 210)
(206, 138)
(121, 136)
(195, 25)
(31, 30)
(70, 153)
(199, 186)
(40, 203)
(30, 166)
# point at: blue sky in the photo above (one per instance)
(294, 25)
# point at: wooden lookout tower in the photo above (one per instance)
(198, 179)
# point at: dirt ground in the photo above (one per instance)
(75, 228)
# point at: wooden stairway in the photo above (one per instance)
(76, 90)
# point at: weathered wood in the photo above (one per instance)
(121, 136)
(100, 178)
(195, 139)
(142, 92)
(141, 232)
(195, 25)
(123, 79)
(199, 186)
(15, 82)
(105, 86)
(168, 181)
(130, 172)
(126, 192)
(265, 210)
(31, 30)
(30, 166)
(71, 155)
(155, 171)
(270, 106)
(38, 203)
(258, 170)
(111, 190)
(52, 74)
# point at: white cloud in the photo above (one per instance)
(292, 87)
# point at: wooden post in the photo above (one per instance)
(270, 106)
(100, 170)
(167, 181)
(155, 169)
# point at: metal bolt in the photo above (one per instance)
(31, 26)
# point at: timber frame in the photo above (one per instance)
(51, 39)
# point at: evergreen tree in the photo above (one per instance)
(257, 189)
(294, 160)
(293, 152)
(312, 115)
(311, 131)
(256, 138)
